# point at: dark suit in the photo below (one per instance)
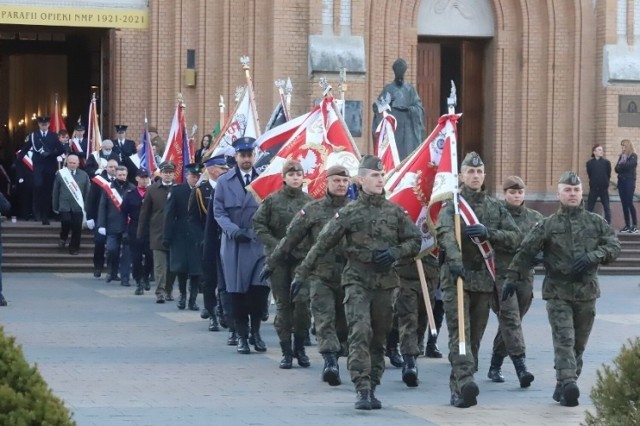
(91, 208)
(110, 218)
(46, 149)
(141, 255)
(92, 166)
(71, 213)
(124, 151)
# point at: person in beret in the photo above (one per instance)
(270, 224)
(509, 338)
(45, 149)
(573, 242)
(199, 207)
(150, 226)
(377, 233)
(241, 252)
(183, 238)
(323, 285)
(493, 229)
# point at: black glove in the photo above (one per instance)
(457, 271)
(508, 290)
(125, 238)
(383, 259)
(296, 286)
(478, 231)
(581, 264)
(265, 273)
(242, 236)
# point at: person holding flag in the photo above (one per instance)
(79, 142)
(488, 225)
(377, 233)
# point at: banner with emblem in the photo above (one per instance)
(241, 123)
(177, 149)
(320, 142)
(385, 146)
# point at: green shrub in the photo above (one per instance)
(25, 398)
(616, 394)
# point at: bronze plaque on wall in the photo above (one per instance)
(628, 111)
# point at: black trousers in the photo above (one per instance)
(141, 259)
(98, 249)
(71, 221)
(603, 194)
(209, 285)
(247, 309)
(194, 283)
(42, 200)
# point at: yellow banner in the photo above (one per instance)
(74, 17)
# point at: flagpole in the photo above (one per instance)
(283, 101)
(425, 296)
(289, 89)
(221, 106)
(244, 60)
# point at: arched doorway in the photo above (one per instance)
(452, 39)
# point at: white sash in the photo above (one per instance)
(135, 159)
(111, 192)
(76, 146)
(73, 188)
(470, 218)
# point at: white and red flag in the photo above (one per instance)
(385, 147)
(321, 141)
(241, 123)
(57, 123)
(421, 176)
(94, 139)
(178, 150)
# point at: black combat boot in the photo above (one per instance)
(287, 355)
(524, 376)
(258, 343)
(363, 401)
(205, 314)
(375, 402)
(331, 370)
(299, 351)
(394, 356)
(147, 284)
(182, 301)
(221, 317)
(233, 338)
(139, 288)
(410, 371)
(495, 371)
(432, 350)
(557, 392)
(467, 397)
(570, 395)
(194, 288)
(243, 346)
(213, 323)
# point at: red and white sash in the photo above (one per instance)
(470, 218)
(76, 146)
(28, 160)
(111, 192)
(72, 186)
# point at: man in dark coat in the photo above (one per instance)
(183, 238)
(46, 148)
(151, 226)
(110, 223)
(79, 143)
(98, 159)
(70, 191)
(199, 207)
(141, 255)
(242, 254)
(124, 149)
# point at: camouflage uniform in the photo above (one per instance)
(564, 237)
(368, 224)
(479, 286)
(270, 224)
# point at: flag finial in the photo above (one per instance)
(279, 83)
(452, 100)
(239, 92)
(326, 87)
(244, 60)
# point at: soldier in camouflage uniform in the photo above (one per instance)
(509, 339)
(323, 282)
(496, 226)
(270, 225)
(574, 242)
(411, 313)
(377, 233)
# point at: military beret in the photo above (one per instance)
(570, 178)
(338, 171)
(291, 166)
(513, 182)
(167, 166)
(193, 168)
(472, 159)
(120, 128)
(244, 144)
(371, 162)
(142, 172)
(217, 160)
(43, 119)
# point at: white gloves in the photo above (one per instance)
(102, 231)
(91, 224)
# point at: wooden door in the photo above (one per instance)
(470, 101)
(428, 82)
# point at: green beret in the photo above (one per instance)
(337, 171)
(371, 162)
(472, 159)
(570, 178)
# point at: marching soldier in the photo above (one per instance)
(494, 227)
(574, 242)
(183, 238)
(509, 339)
(270, 224)
(323, 281)
(377, 233)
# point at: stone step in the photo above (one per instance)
(43, 247)
(48, 267)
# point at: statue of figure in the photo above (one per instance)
(406, 107)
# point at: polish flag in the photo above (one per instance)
(386, 148)
(177, 149)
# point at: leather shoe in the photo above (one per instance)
(169, 297)
(62, 244)
(146, 285)
(233, 339)
(258, 343)
(73, 252)
(243, 346)
(213, 324)
(193, 306)
(182, 302)
(159, 298)
(3, 301)
(97, 272)
(204, 314)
